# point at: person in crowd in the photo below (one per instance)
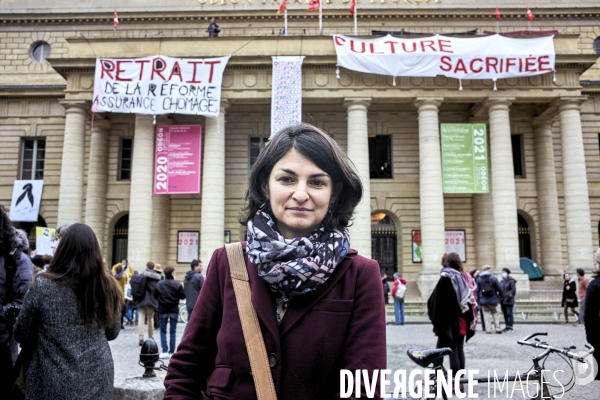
(132, 310)
(68, 316)
(452, 309)
(398, 302)
(509, 289)
(157, 268)
(386, 289)
(192, 283)
(320, 304)
(489, 294)
(569, 296)
(148, 305)
(122, 279)
(168, 292)
(475, 274)
(16, 272)
(6, 363)
(58, 234)
(38, 263)
(581, 290)
(128, 269)
(592, 312)
(213, 28)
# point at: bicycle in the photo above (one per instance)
(433, 358)
(183, 314)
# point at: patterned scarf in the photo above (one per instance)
(293, 267)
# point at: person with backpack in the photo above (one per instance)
(509, 287)
(168, 292)
(489, 294)
(16, 272)
(143, 290)
(398, 291)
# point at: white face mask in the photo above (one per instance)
(504, 275)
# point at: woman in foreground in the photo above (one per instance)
(319, 304)
(68, 316)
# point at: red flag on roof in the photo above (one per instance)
(353, 7)
(530, 16)
(116, 20)
(313, 5)
(282, 7)
(497, 14)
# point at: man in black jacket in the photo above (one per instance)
(168, 293)
(509, 287)
(148, 304)
(192, 284)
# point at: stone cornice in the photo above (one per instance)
(137, 18)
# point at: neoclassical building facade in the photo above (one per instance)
(544, 200)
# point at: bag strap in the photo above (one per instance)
(255, 344)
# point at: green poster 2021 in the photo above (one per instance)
(464, 158)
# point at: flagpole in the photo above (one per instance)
(355, 19)
(320, 17)
(285, 23)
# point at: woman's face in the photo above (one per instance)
(567, 277)
(299, 194)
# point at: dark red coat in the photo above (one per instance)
(339, 326)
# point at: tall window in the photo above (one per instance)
(32, 158)
(125, 159)
(380, 157)
(257, 143)
(597, 45)
(517, 151)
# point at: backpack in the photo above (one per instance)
(138, 287)
(487, 286)
(400, 291)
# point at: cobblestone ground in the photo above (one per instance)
(484, 352)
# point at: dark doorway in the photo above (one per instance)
(524, 238)
(384, 244)
(380, 157)
(120, 236)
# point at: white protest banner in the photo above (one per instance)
(159, 85)
(43, 240)
(25, 203)
(286, 95)
(187, 246)
(489, 57)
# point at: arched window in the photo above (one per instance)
(120, 238)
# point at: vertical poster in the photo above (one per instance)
(43, 240)
(187, 246)
(178, 159)
(286, 96)
(464, 158)
(25, 203)
(455, 242)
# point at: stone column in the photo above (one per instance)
(431, 193)
(577, 203)
(358, 153)
(70, 194)
(212, 226)
(551, 260)
(483, 221)
(506, 232)
(161, 212)
(95, 197)
(140, 203)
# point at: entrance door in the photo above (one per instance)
(384, 245)
(120, 235)
(524, 238)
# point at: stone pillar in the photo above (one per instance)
(431, 193)
(95, 197)
(506, 232)
(70, 195)
(161, 213)
(140, 203)
(577, 203)
(212, 226)
(551, 261)
(483, 221)
(358, 153)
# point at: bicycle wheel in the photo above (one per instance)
(183, 314)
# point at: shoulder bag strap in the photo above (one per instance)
(255, 344)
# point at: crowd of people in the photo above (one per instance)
(320, 305)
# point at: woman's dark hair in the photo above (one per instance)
(6, 230)
(453, 261)
(119, 269)
(322, 150)
(78, 264)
